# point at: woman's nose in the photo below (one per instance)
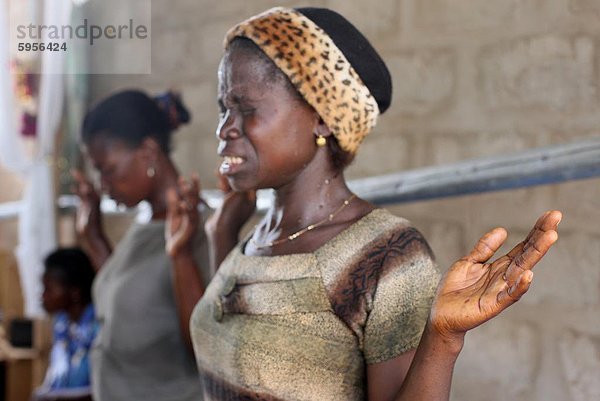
(228, 128)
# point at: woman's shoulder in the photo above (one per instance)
(379, 242)
(379, 249)
(376, 228)
(382, 218)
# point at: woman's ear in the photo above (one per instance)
(150, 149)
(322, 129)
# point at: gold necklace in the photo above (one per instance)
(306, 229)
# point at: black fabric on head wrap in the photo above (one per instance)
(357, 49)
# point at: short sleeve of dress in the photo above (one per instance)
(402, 300)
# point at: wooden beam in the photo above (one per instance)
(547, 165)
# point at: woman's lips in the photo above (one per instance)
(230, 164)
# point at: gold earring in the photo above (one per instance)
(150, 172)
(321, 141)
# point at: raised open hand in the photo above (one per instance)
(182, 216)
(88, 219)
(473, 291)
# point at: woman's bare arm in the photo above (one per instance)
(182, 224)
(88, 221)
(471, 293)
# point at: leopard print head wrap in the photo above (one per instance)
(331, 64)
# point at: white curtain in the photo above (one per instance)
(37, 218)
(11, 153)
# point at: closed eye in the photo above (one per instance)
(234, 103)
(247, 111)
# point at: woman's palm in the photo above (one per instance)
(474, 291)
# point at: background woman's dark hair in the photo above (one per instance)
(341, 159)
(133, 116)
(73, 268)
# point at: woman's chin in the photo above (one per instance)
(239, 185)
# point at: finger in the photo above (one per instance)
(184, 188)
(85, 188)
(189, 194)
(82, 189)
(181, 184)
(182, 206)
(546, 222)
(194, 190)
(493, 289)
(196, 181)
(518, 248)
(81, 179)
(172, 200)
(531, 238)
(185, 206)
(78, 178)
(487, 246)
(549, 220)
(527, 259)
(537, 227)
(513, 293)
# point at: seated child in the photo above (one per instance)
(68, 281)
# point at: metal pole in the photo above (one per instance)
(547, 165)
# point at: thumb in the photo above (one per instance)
(487, 246)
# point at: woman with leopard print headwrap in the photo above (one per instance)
(329, 298)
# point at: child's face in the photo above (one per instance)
(56, 294)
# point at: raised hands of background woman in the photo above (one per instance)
(183, 220)
(88, 221)
(224, 225)
(183, 217)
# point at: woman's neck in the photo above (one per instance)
(315, 193)
(309, 200)
(306, 201)
(166, 178)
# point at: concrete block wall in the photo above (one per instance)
(471, 79)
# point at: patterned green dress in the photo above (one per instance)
(304, 326)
